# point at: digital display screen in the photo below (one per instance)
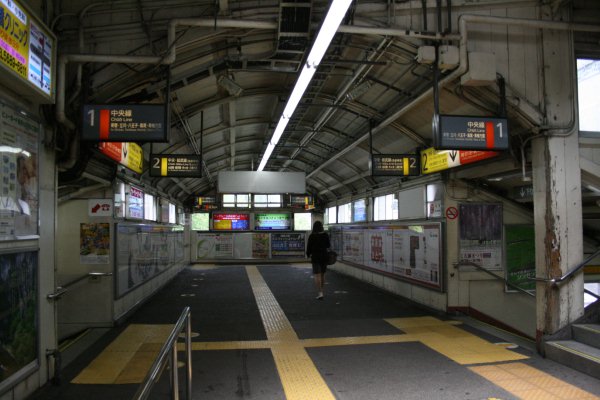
(272, 222)
(359, 211)
(231, 222)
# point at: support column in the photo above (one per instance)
(557, 189)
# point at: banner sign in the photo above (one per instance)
(27, 48)
(177, 165)
(472, 133)
(124, 123)
(128, 154)
(433, 160)
(395, 165)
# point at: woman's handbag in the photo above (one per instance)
(331, 257)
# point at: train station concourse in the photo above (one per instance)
(308, 199)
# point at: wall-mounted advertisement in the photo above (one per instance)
(480, 234)
(143, 252)
(260, 245)
(410, 252)
(214, 245)
(18, 312)
(94, 243)
(359, 210)
(288, 245)
(272, 222)
(129, 155)
(231, 222)
(520, 256)
(135, 203)
(19, 205)
(27, 50)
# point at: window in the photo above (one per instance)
(120, 200)
(588, 80)
(359, 210)
(330, 215)
(172, 213)
(302, 221)
(149, 207)
(267, 200)
(236, 200)
(200, 221)
(385, 208)
(345, 213)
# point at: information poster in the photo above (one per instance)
(205, 246)
(480, 234)
(242, 246)
(18, 311)
(417, 253)
(287, 245)
(260, 245)
(19, 192)
(378, 249)
(353, 246)
(94, 243)
(135, 203)
(520, 256)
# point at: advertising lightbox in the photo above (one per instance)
(272, 222)
(231, 222)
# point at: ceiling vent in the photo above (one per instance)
(294, 26)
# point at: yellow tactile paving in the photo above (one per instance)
(355, 340)
(123, 351)
(455, 343)
(528, 383)
(236, 345)
(299, 376)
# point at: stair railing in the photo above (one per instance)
(571, 273)
(168, 353)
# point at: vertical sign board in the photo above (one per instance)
(177, 165)
(124, 123)
(394, 165)
(471, 133)
(27, 51)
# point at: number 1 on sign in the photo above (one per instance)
(499, 125)
(91, 114)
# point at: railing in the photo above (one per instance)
(169, 352)
(571, 273)
(501, 278)
(60, 290)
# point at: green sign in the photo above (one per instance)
(520, 256)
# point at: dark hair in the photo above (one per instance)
(318, 227)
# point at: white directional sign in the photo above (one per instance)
(471, 133)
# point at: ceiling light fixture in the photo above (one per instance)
(332, 21)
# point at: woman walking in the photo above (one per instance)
(318, 243)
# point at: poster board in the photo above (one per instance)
(480, 234)
(18, 314)
(94, 243)
(288, 244)
(520, 256)
(143, 252)
(19, 187)
(411, 252)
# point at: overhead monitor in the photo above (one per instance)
(272, 222)
(231, 222)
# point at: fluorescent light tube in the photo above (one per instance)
(332, 21)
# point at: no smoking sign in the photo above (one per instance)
(451, 213)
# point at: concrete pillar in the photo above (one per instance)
(557, 189)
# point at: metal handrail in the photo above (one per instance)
(591, 294)
(568, 275)
(479, 267)
(170, 349)
(60, 290)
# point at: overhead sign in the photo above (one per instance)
(395, 164)
(124, 123)
(523, 193)
(128, 154)
(100, 207)
(206, 203)
(177, 165)
(27, 49)
(433, 160)
(471, 133)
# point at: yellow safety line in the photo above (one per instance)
(299, 376)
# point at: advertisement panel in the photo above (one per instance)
(288, 244)
(272, 222)
(231, 222)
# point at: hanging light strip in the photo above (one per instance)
(332, 21)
